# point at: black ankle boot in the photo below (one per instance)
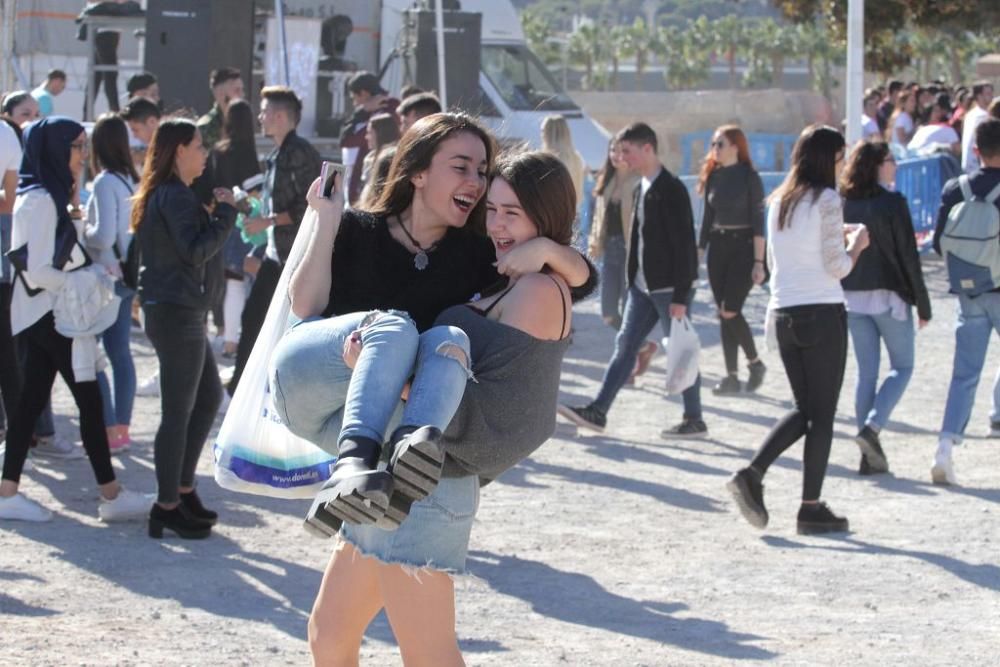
(193, 503)
(357, 492)
(415, 465)
(180, 520)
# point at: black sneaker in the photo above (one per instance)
(816, 518)
(730, 385)
(871, 449)
(865, 468)
(689, 428)
(757, 372)
(748, 492)
(588, 416)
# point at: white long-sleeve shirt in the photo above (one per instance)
(35, 224)
(807, 257)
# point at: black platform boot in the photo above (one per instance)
(415, 465)
(356, 492)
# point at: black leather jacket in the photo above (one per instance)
(891, 261)
(669, 251)
(179, 244)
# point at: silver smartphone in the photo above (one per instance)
(328, 176)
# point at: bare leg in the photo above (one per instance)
(347, 601)
(421, 610)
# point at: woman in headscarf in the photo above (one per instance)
(54, 152)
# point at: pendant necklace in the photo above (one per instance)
(420, 260)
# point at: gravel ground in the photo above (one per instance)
(620, 549)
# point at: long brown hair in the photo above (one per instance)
(860, 177)
(733, 135)
(814, 169)
(109, 147)
(160, 162)
(607, 172)
(545, 190)
(414, 153)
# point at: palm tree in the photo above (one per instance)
(774, 42)
(586, 47)
(639, 43)
(731, 40)
(539, 35)
(686, 56)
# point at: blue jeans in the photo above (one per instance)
(322, 400)
(116, 345)
(977, 318)
(642, 311)
(867, 334)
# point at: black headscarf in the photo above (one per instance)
(45, 163)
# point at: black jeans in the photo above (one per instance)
(190, 394)
(10, 372)
(254, 312)
(49, 353)
(813, 344)
(730, 264)
(106, 53)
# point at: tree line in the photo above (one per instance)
(934, 42)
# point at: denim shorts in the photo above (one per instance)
(435, 535)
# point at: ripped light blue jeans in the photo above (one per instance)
(322, 400)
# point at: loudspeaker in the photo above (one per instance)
(187, 39)
(462, 31)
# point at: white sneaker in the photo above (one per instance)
(151, 387)
(943, 472)
(19, 508)
(57, 447)
(127, 505)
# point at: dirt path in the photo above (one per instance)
(621, 549)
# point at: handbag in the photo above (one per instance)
(683, 349)
(254, 450)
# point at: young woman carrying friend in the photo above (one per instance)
(107, 237)
(880, 292)
(179, 244)
(439, 259)
(518, 335)
(733, 232)
(805, 242)
(54, 152)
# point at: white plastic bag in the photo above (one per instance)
(682, 349)
(254, 451)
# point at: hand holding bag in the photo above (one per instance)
(254, 451)
(683, 348)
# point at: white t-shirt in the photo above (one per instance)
(973, 118)
(904, 122)
(10, 149)
(644, 185)
(935, 133)
(868, 126)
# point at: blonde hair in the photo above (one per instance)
(557, 140)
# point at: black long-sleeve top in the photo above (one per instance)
(734, 197)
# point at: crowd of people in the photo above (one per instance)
(433, 305)
(917, 119)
